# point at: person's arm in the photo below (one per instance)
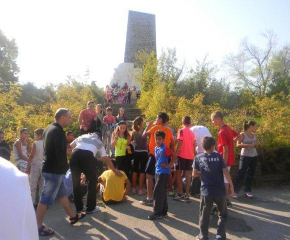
(129, 140)
(81, 121)
(32, 153)
(195, 173)
(225, 153)
(110, 165)
(114, 120)
(147, 132)
(128, 185)
(114, 139)
(18, 147)
(228, 177)
(73, 145)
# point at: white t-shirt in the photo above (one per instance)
(90, 142)
(18, 219)
(200, 132)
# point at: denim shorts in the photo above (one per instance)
(54, 188)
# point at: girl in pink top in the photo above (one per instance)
(185, 151)
(108, 94)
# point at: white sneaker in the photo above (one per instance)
(249, 195)
(235, 196)
(97, 209)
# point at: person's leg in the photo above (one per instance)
(66, 205)
(89, 169)
(76, 171)
(179, 182)
(143, 162)
(51, 186)
(33, 180)
(135, 169)
(149, 181)
(40, 182)
(187, 177)
(150, 171)
(250, 174)
(222, 207)
(243, 166)
(165, 203)
(119, 163)
(204, 216)
(159, 194)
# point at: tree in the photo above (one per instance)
(8, 65)
(280, 65)
(250, 67)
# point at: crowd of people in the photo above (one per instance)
(149, 158)
(121, 95)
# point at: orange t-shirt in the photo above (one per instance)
(167, 140)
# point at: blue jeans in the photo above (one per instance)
(54, 188)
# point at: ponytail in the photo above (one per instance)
(247, 124)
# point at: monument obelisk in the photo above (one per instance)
(141, 35)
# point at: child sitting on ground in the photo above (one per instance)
(162, 154)
(112, 186)
(212, 169)
(34, 166)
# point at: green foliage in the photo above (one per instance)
(8, 65)
(32, 108)
(200, 94)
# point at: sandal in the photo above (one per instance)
(75, 219)
(43, 231)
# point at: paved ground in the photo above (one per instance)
(267, 216)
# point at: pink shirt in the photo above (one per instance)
(109, 119)
(187, 137)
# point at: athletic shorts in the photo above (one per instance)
(225, 180)
(54, 188)
(140, 161)
(184, 164)
(150, 167)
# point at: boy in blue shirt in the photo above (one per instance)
(211, 167)
(162, 154)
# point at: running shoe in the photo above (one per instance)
(147, 202)
(97, 209)
(186, 199)
(155, 217)
(214, 211)
(235, 196)
(229, 204)
(219, 237)
(178, 197)
(134, 190)
(170, 193)
(248, 194)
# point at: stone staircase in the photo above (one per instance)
(131, 112)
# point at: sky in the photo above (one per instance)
(58, 38)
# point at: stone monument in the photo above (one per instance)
(141, 35)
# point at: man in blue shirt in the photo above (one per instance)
(162, 154)
(211, 167)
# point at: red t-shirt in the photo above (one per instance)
(225, 138)
(87, 118)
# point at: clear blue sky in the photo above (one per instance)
(60, 38)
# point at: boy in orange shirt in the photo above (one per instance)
(153, 126)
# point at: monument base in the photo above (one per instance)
(126, 73)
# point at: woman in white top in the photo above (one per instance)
(249, 158)
(20, 149)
